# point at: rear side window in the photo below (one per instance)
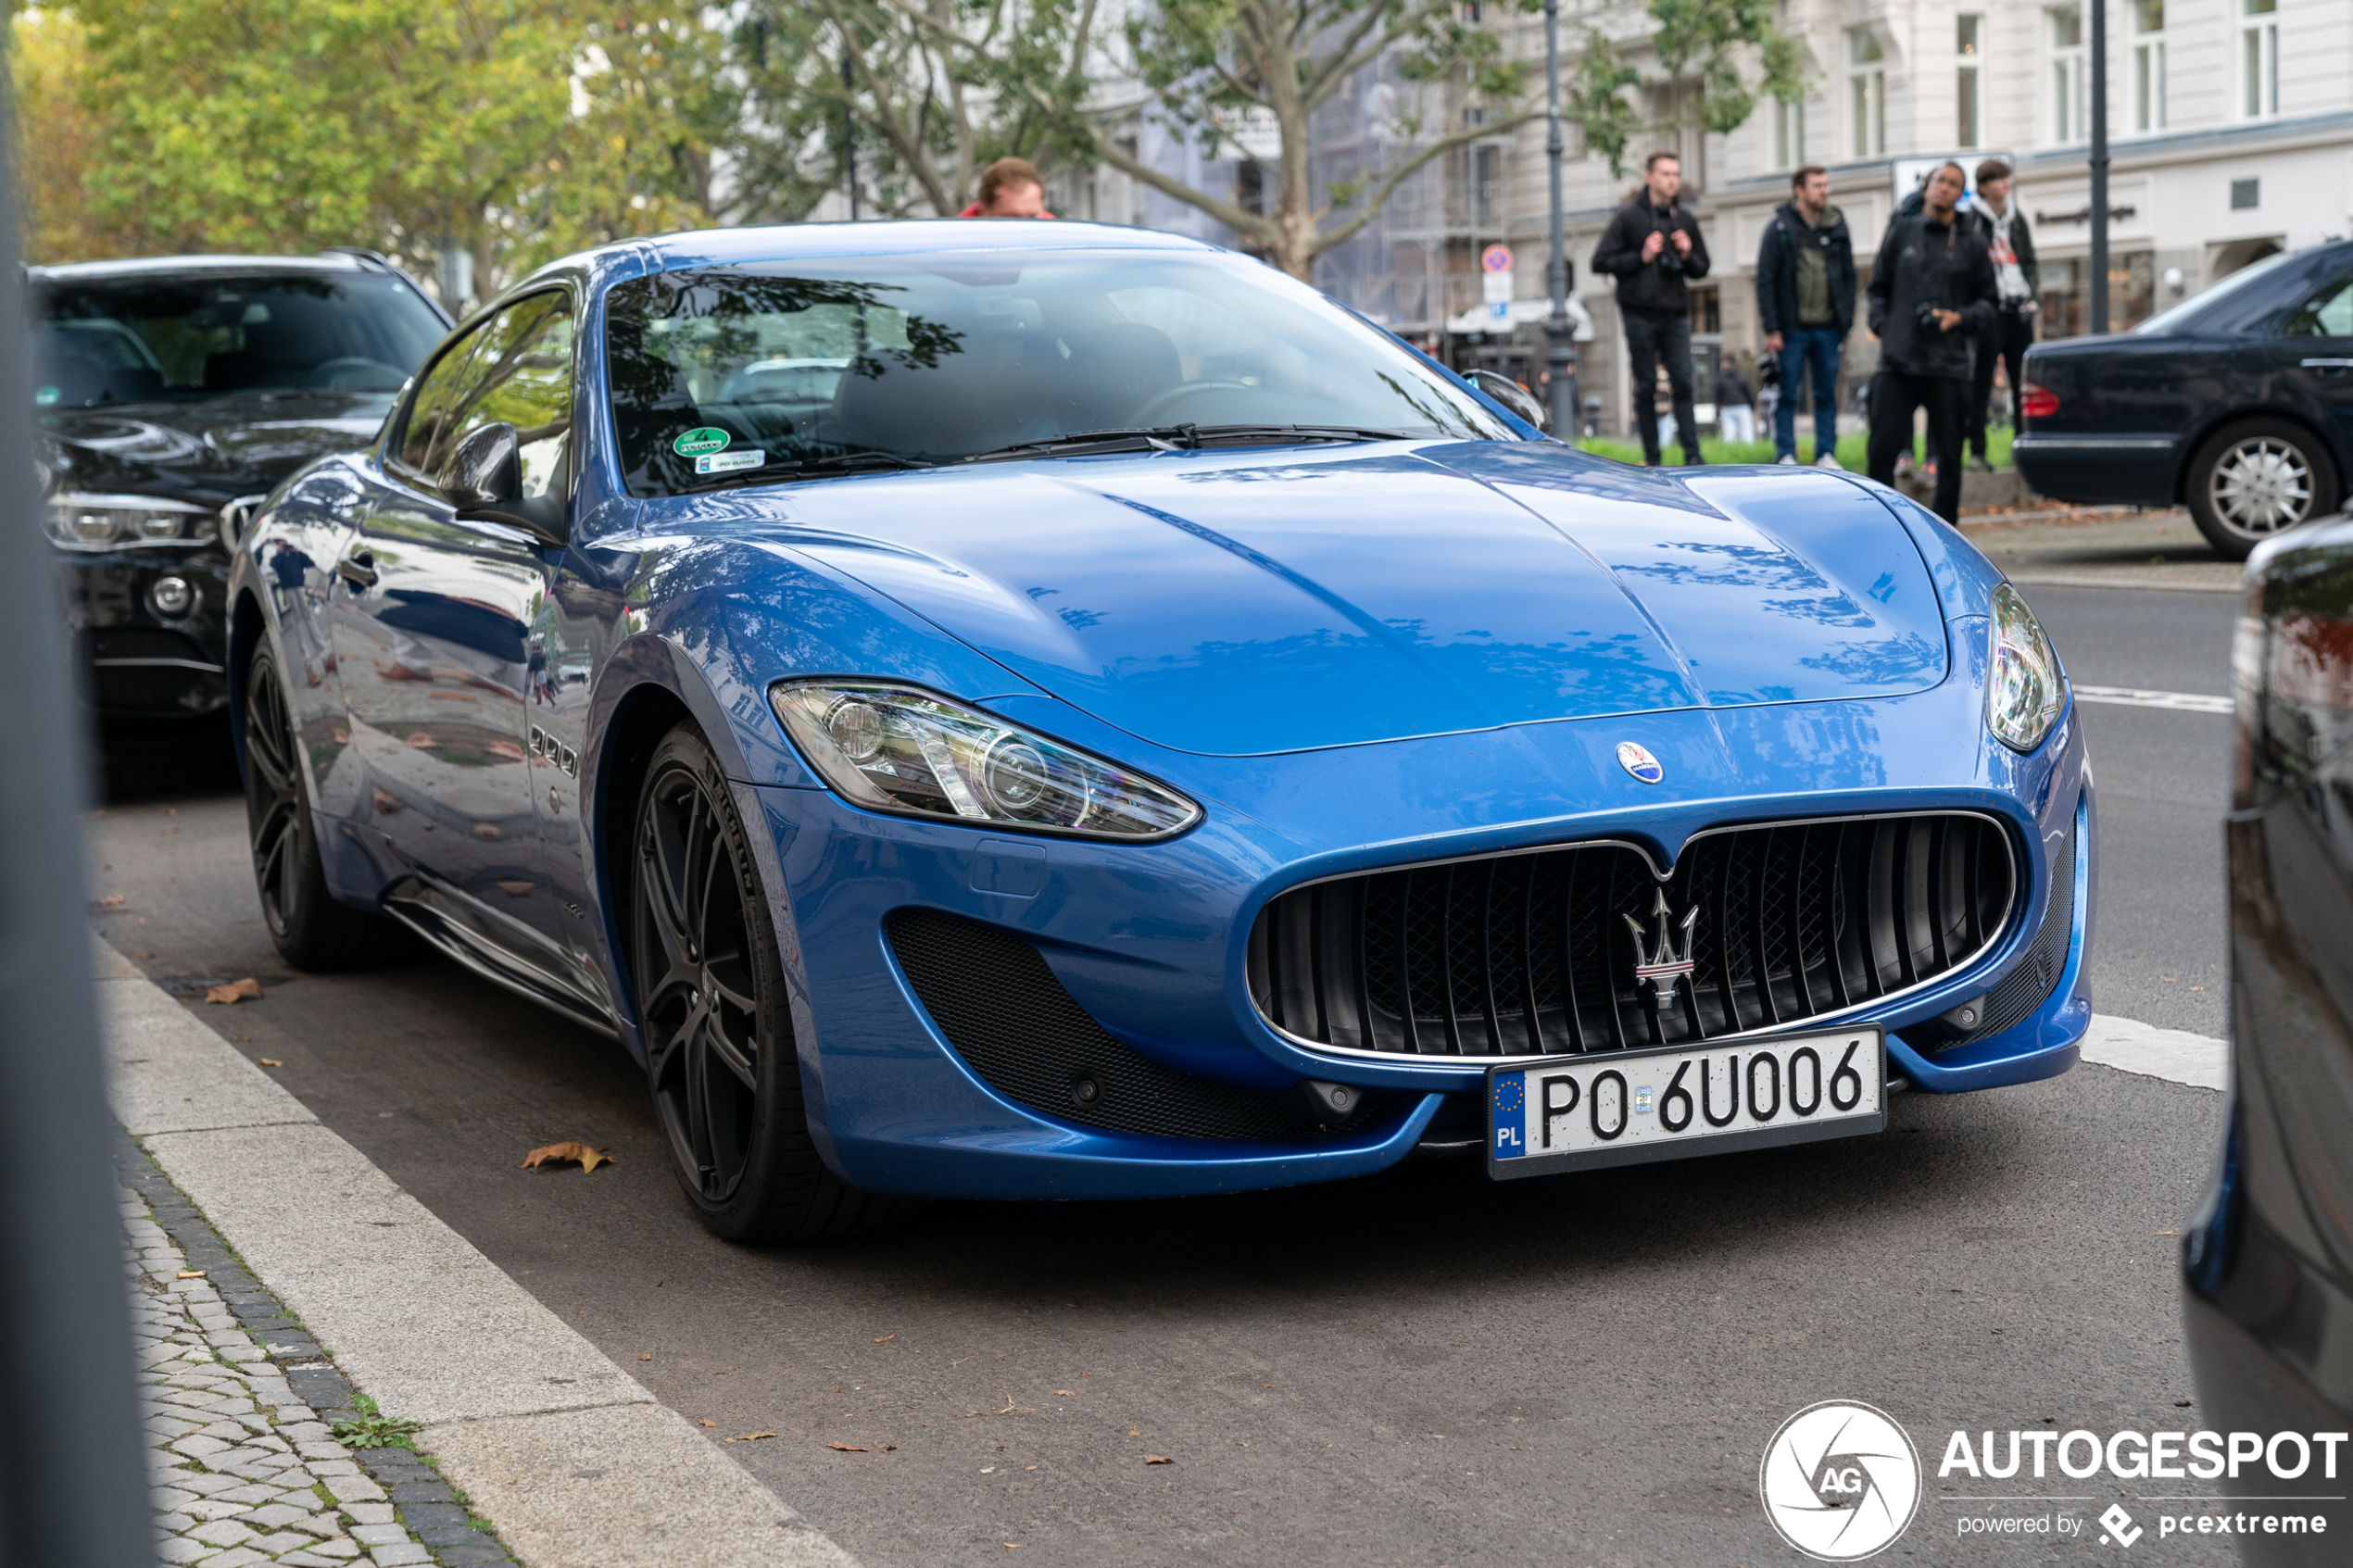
(2327, 314)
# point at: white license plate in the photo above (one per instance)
(1617, 1108)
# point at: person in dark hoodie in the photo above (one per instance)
(2018, 281)
(1933, 297)
(1806, 301)
(1653, 247)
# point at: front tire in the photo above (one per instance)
(712, 1010)
(2256, 479)
(311, 929)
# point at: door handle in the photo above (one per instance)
(2339, 366)
(359, 568)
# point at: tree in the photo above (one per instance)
(1209, 64)
(938, 88)
(56, 137)
(1703, 40)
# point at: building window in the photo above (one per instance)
(2067, 304)
(2067, 73)
(1789, 134)
(2149, 65)
(2259, 59)
(1970, 47)
(1866, 92)
(1486, 184)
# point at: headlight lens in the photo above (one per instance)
(2025, 690)
(893, 749)
(80, 522)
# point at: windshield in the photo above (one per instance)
(163, 339)
(917, 360)
(2174, 318)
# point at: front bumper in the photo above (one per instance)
(135, 663)
(1148, 941)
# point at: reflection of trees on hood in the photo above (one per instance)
(650, 396)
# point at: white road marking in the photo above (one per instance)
(2131, 1046)
(2131, 696)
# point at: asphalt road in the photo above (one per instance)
(1422, 1368)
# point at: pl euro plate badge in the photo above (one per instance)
(1621, 1108)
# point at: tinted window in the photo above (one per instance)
(515, 369)
(143, 340)
(931, 358)
(2326, 314)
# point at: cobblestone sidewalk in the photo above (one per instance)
(240, 1405)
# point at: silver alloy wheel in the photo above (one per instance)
(2260, 485)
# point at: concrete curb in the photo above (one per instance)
(570, 1457)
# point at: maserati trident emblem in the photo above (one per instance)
(1636, 759)
(1662, 966)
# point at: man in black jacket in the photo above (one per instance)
(1652, 247)
(2019, 283)
(1806, 301)
(1931, 297)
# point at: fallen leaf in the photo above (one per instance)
(847, 1448)
(890, 1448)
(1067, 1393)
(751, 1437)
(647, 1356)
(342, 737)
(567, 1153)
(192, 1273)
(111, 902)
(270, 1061)
(514, 889)
(234, 992)
(1133, 1434)
(1030, 1467)
(505, 748)
(423, 742)
(488, 830)
(1156, 1459)
(706, 1423)
(885, 1339)
(1266, 1385)
(1013, 1546)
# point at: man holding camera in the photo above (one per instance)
(1653, 247)
(1932, 294)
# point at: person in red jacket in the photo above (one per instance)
(1010, 188)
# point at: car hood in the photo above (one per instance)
(244, 441)
(1238, 603)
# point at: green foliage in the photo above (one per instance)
(1700, 40)
(1593, 99)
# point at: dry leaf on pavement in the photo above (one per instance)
(566, 1153)
(269, 1062)
(706, 1423)
(234, 992)
(885, 1339)
(751, 1437)
(647, 1356)
(847, 1448)
(111, 902)
(1067, 1393)
(1158, 1458)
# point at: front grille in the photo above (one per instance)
(1530, 953)
(2028, 986)
(993, 995)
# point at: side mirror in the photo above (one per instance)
(484, 480)
(1512, 395)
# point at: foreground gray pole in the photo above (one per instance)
(72, 1468)
(1560, 358)
(2099, 165)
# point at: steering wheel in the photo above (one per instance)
(1156, 411)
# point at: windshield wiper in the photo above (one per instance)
(1172, 438)
(809, 468)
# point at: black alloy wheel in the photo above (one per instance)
(311, 929)
(2256, 479)
(712, 1009)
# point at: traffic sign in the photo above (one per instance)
(1496, 259)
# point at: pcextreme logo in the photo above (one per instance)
(1841, 1481)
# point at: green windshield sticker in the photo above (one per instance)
(694, 442)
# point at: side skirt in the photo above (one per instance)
(498, 949)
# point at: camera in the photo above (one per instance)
(1671, 260)
(1927, 319)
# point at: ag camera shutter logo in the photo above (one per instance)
(1840, 1481)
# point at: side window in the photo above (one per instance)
(2328, 314)
(432, 429)
(517, 368)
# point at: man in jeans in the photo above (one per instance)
(1806, 299)
(1931, 292)
(2017, 280)
(1652, 247)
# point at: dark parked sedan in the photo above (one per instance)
(2269, 1266)
(171, 396)
(2238, 403)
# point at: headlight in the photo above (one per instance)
(107, 523)
(895, 749)
(2024, 691)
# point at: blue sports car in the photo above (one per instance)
(1036, 711)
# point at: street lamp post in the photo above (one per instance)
(1561, 357)
(2099, 165)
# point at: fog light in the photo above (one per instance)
(172, 597)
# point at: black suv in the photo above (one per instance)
(170, 396)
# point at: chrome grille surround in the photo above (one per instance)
(1527, 955)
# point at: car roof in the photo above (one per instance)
(162, 266)
(905, 237)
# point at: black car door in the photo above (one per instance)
(433, 631)
(2315, 358)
